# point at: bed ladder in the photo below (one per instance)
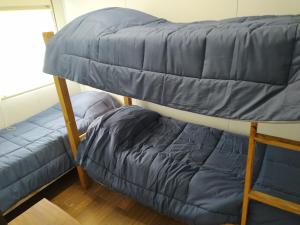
(261, 197)
(73, 134)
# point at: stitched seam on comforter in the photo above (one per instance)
(157, 72)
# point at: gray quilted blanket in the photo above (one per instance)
(187, 171)
(243, 68)
(35, 152)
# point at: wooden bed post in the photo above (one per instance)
(249, 171)
(66, 106)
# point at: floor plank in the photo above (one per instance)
(100, 206)
(96, 206)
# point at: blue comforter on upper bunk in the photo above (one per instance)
(243, 68)
(36, 151)
(187, 171)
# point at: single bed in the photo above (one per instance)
(36, 151)
(187, 171)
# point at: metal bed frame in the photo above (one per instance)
(249, 194)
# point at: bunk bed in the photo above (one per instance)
(242, 68)
(36, 152)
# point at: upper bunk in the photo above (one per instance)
(243, 68)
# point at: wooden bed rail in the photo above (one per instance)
(260, 196)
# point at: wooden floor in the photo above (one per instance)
(98, 205)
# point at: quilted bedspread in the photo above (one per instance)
(187, 171)
(242, 68)
(36, 151)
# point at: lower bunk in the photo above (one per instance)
(36, 151)
(187, 171)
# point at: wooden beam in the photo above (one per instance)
(82, 137)
(279, 142)
(275, 202)
(127, 100)
(66, 106)
(249, 172)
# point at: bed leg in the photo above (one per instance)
(66, 106)
(73, 134)
(127, 100)
(249, 172)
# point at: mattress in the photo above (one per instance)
(187, 171)
(244, 68)
(36, 151)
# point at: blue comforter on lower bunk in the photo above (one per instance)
(187, 171)
(36, 151)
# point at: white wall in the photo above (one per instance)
(20, 107)
(263, 7)
(188, 10)
(193, 10)
(17, 108)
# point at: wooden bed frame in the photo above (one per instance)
(249, 194)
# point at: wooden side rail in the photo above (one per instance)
(260, 196)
